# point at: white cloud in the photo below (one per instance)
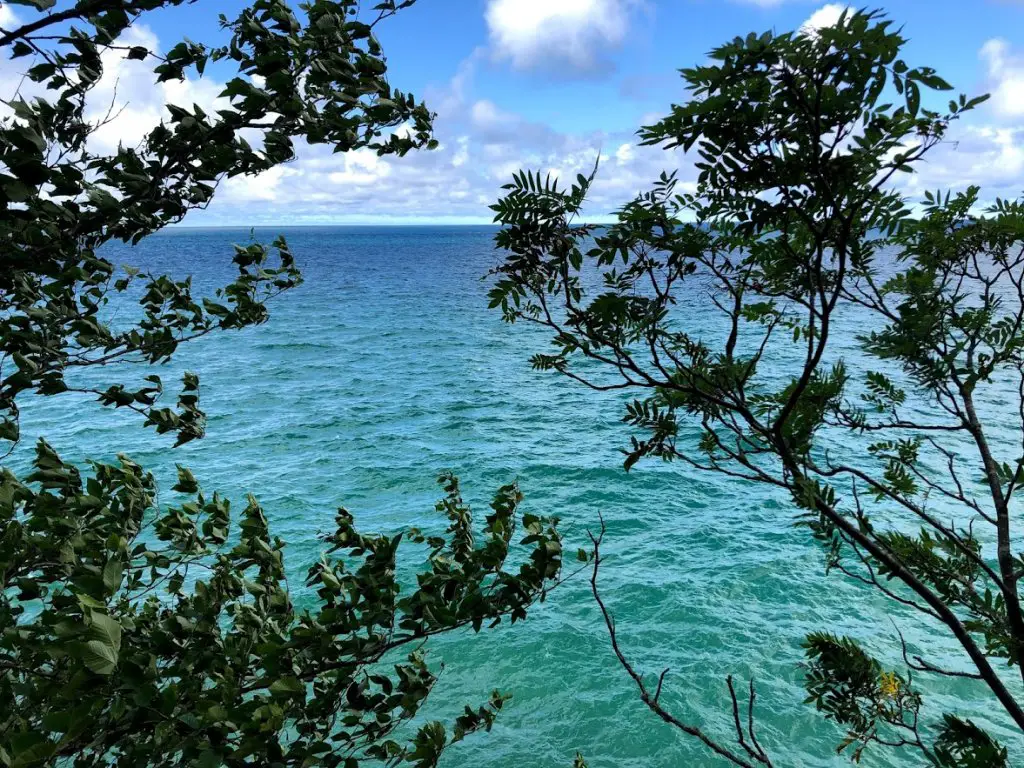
(8, 19)
(991, 157)
(454, 183)
(263, 186)
(986, 148)
(462, 153)
(403, 131)
(361, 167)
(826, 16)
(126, 103)
(482, 144)
(502, 172)
(569, 37)
(1005, 71)
(485, 113)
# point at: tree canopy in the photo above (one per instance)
(729, 310)
(319, 76)
(134, 632)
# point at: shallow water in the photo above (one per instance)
(386, 368)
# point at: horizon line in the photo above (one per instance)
(311, 225)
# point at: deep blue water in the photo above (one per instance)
(385, 368)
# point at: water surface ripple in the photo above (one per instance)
(386, 368)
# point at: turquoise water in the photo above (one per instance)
(386, 368)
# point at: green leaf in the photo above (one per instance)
(99, 657)
(105, 630)
(88, 603)
(913, 98)
(113, 572)
(287, 686)
(35, 753)
(934, 82)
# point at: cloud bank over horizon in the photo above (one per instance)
(484, 136)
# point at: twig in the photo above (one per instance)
(652, 701)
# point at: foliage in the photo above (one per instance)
(721, 309)
(320, 77)
(138, 633)
(148, 637)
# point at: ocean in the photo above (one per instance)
(385, 368)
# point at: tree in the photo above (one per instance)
(135, 633)
(797, 237)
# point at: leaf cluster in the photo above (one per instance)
(159, 637)
(790, 303)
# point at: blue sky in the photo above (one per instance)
(634, 71)
(549, 84)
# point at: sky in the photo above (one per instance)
(554, 84)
